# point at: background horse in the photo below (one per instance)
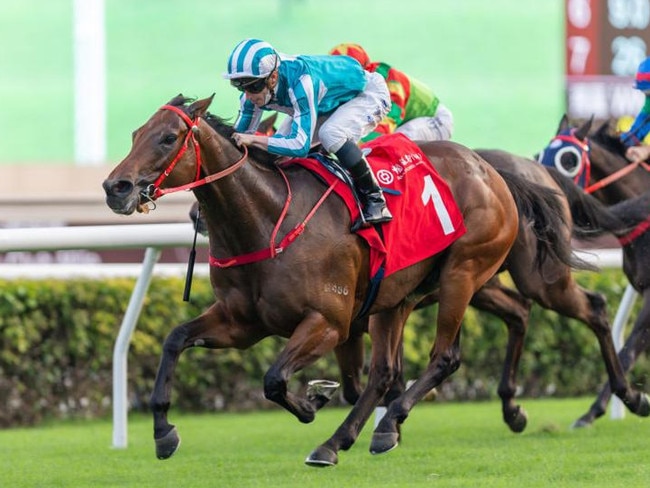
(613, 179)
(295, 293)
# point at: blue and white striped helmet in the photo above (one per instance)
(252, 58)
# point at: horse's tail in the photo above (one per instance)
(591, 217)
(542, 207)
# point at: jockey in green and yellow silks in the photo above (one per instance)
(415, 110)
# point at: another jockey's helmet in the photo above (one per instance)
(252, 58)
(354, 51)
(643, 76)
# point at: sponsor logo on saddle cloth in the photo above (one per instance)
(426, 218)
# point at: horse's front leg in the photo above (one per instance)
(207, 330)
(385, 334)
(314, 337)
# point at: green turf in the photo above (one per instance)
(445, 445)
(497, 65)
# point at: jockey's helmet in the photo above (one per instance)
(643, 76)
(354, 51)
(252, 58)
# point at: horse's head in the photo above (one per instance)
(568, 151)
(161, 156)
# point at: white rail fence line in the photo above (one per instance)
(154, 238)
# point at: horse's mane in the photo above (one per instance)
(225, 129)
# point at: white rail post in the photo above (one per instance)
(121, 349)
(618, 333)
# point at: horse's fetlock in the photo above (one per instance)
(158, 407)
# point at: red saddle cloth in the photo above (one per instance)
(426, 218)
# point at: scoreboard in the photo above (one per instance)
(605, 42)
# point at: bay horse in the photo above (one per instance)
(290, 293)
(595, 158)
(295, 293)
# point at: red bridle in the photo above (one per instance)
(273, 249)
(154, 191)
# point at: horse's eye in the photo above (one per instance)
(168, 139)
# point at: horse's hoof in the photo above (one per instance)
(644, 406)
(518, 421)
(167, 445)
(319, 392)
(383, 442)
(322, 457)
(582, 422)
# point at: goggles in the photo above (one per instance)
(250, 85)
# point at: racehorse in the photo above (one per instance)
(596, 159)
(311, 292)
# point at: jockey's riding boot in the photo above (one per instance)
(374, 203)
(372, 198)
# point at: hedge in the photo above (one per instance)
(57, 342)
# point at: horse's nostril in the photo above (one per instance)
(117, 187)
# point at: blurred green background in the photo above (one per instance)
(498, 65)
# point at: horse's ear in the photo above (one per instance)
(267, 126)
(583, 130)
(564, 124)
(200, 107)
(603, 130)
(177, 100)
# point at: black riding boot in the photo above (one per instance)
(372, 198)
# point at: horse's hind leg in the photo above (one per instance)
(567, 298)
(514, 310)
(206, 331)
(637, 342)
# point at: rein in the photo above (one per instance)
(273, 250)
(154, 191)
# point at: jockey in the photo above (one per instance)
(633, 138)
(327, 98)
(416, 111)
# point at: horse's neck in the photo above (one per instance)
(242, 208)
(605, 163)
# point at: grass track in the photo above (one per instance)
(446, 445)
